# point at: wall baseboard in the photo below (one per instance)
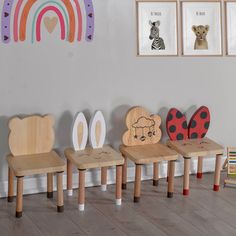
(38, 184)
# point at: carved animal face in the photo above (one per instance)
(154, 31)
(200, 31)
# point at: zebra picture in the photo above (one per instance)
(158, 42)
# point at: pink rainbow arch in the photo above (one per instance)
(79, 14)
(39, 20)
(16, 15)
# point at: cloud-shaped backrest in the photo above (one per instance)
(31, 135)
(143, 128)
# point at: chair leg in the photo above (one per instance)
(216, 186)
(69, 178)
(124, 173)
(118, 185)
(171, 177)
(19, 196)
(10, 185)
(155, 173)
(104, 178)
(168, 170)
(137, 184)
(50, 185)
(60, 200)
(186, 176)
(199, 167)
(81, 189)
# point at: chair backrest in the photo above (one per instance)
(31, 135)
(143, 128)
(178, 129)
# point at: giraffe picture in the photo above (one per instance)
(157, 28)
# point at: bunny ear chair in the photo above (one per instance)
(96, 131)
(96, 155)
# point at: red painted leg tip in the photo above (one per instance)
(216, 187)
(199, 175)
(186, 192)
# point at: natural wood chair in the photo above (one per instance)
(140, 145)
(96, 156)
(31, 140)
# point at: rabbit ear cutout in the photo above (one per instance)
(199, 123)
(79, 132)
(97, 130)
(176, 125)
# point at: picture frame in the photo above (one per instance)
(157, 27)
(230, 30)
(201, 28)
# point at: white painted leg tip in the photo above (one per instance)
(104, 187)
(70, 192)
(81, 207)
(118, 202)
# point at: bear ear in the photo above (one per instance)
(50, 119)
(150, 23)
(194, 28)
(157, 23)
(207, 27)
(14, 122)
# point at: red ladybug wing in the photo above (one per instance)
(199, 123)
(176, 125)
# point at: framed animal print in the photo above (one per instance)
(230, 13)
(201, 28)
(157, 28)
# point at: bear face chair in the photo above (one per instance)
(31, 140)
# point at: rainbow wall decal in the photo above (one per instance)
(16, 20)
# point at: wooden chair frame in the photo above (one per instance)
(31, 153)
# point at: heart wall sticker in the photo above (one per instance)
(50, 23)
(177, 128)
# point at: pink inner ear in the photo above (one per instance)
(176, 125)
(199, 123)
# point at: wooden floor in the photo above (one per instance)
(204, 212)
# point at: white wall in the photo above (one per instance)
(62, 78)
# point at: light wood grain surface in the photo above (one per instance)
(36, 164)
(149, 153)
(196, 147)
(31, 135)
(142, 127)
(93, 158)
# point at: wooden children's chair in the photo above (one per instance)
(230, 165)
(140, 145)
(31, 140)
(189, 141)
(95, 156)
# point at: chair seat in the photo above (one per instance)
(36, 164)
(196, 147)
(93, 158)
(149, 153)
